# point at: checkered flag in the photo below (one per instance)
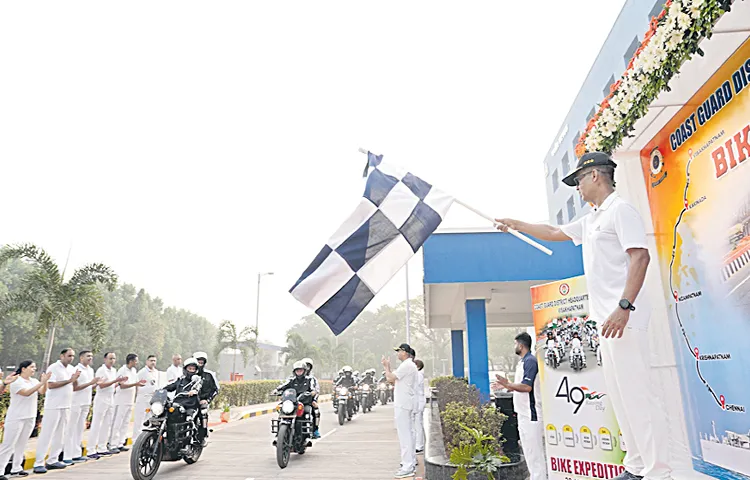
(396, 214)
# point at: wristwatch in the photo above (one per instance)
(626, 305)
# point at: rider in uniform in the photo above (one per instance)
(316, 387)
(191, 403)
(209, 390)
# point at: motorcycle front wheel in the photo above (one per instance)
(283, 446)
(195, 454)
(342, 415)
(145, 458)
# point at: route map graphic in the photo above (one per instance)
(697, 173)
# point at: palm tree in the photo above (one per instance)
(331, 355)
(58, 303)
(245, 341)
(297, 348)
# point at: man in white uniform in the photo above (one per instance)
(576, 347)
(615, 260)
(527, 403)
(57, 403)
(124, 402)
(175, 370)
(150, 375)
(101, 420)
(79, 409)
(420, 401)
(405, 380)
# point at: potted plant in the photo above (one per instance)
(479, 457)
(225, 415)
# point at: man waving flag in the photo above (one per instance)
(395, 216)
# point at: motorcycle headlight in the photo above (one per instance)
(365, 388)
(343, 391)
(157, 408)
(287, 406)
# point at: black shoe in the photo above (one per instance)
(22, 473)
(124, 449)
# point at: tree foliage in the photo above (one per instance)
(132, 322)
(245, 340)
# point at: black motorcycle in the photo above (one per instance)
(344, 404)
(368, 397)
(170, 434)
(383, 392)
(293, 427)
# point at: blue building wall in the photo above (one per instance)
(564, 204)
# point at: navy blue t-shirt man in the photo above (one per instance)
(528, 407)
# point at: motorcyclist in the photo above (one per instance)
(192, 402)
(552, 345)
(300, 382)
(209, 390)
(347, 380)
(316, 387)
(577, 348)
(369, 377)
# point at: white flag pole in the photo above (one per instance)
(408, 313)
(515, 233)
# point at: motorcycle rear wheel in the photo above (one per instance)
(143, 466)
(283, 446)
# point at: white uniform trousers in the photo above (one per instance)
(532, 440)
(74, 437)
(101, 422)
(626, 374)
(418, 415)
(52, 436)
(140, 415)
(119, 434)
(405, 430)
(17, 434)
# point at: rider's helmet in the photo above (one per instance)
(356, 373)
(550, 334)
(202, 358)
(347, 371)
(299, 369)
(575, 334)
(190, 362)
(308, 361)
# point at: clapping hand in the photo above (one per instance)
(142, 383)
(385, 361)
(10, 378)
(120, 379)
(501, 382)
(75, 375)
(45, 377)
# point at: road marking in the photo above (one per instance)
(324, 436)
(738, 286)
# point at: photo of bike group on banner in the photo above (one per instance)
(581, 433)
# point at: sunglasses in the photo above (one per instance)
(577, 180)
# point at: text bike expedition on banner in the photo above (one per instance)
(582, 435)
(697, 173)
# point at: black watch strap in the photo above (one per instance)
(626, 305)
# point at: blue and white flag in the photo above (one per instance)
(395, 216)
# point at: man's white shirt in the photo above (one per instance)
(105, 395)
(152, 380)
(606, 234)
(406, 381)
(62, 397)
(126, 396)
(173, 373)
(82, 398)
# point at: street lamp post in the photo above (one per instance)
(257, 312)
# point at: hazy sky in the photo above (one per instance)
(190, 145)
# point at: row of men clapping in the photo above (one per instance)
(68, 397)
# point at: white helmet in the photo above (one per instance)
(347, 369)
(299, 365)
(191, 361)
(199, 355)
(309, 362)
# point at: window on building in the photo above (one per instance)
(555, 180)
(559, 218)
(631, 50)
(610, 82)
(656, 9)
(571, 209)
(565, 164)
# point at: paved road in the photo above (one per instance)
(366, 448)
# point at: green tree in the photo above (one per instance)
(331, 355)
(297, 349)
(245, 340)
(55, 302)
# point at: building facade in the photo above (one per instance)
(563, 203)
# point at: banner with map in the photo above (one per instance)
(697, 172)
(581, 431)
